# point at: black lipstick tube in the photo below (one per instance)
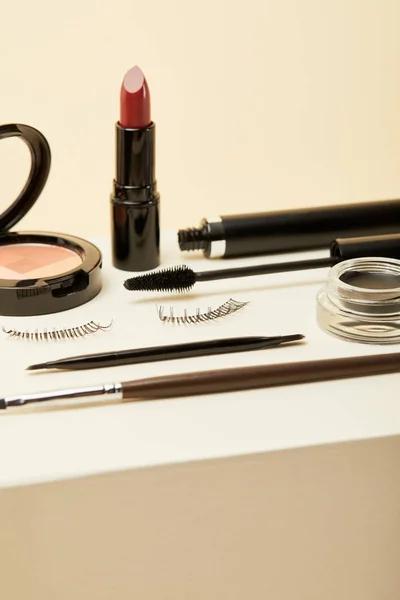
(135, 221)
(290, 230)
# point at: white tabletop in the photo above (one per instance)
(59, 442)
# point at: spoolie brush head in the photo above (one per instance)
(175, 279)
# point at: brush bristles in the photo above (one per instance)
(175, 279)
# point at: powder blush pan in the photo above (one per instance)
(42, 273)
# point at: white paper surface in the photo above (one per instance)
(60, 441)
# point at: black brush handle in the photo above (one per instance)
(386, 246)
(298, 265)
(158, 353)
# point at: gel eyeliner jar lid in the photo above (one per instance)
(361, 301)
(42, 273)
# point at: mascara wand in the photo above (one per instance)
(183, 278)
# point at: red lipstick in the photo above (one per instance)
(135, 229)
(135, 101)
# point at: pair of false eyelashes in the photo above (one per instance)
(68, 333)
(229, 307)
(57, 334)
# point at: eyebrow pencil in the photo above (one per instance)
(182, 278)
(135, 227)
(157, 353)
(223, 380)
(231, 236)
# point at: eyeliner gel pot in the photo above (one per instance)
(360, 301)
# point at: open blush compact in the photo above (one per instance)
(42, 273)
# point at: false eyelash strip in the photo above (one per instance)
(66, 333)
(228, 308)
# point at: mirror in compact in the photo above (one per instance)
(42, 273)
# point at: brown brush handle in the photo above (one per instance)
(229, 380)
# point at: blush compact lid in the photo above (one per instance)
(40, 272)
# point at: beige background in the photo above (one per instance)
(260, 105)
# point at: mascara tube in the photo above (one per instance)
(290, 230)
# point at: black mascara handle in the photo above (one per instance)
(269, 269)
(39, 172)
(384, 246)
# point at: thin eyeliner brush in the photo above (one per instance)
(157, 353)
(182, 278)
(223, 380)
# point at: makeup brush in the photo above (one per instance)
(223, 380)
(181, 278)
(157, 353)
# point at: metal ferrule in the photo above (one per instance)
(112, 389)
